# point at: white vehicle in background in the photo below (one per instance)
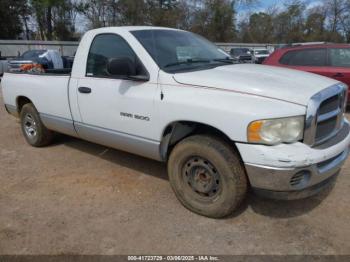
(172, 96)
(259, 55)
(3, 66)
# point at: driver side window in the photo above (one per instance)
(104, 48)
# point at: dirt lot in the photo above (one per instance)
(76, 197)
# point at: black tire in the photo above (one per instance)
(207, 176)
(33, 129)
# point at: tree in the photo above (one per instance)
(345, 22)
(10, 19)
(215, 21)
(131, 12)
(260, 28)
(170, 13)
(54, 18)
(289, 24)
(315, 24)
(99, 13)
(335, 9)
(24, 12)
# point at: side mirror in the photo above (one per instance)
(125, 68)
(121, 67)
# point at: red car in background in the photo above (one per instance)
(331, 60)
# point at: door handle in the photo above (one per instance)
(338, 75)
(84, 90)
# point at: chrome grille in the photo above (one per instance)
(330, 104)
(325, 114)
(325, 128)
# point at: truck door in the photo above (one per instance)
(114, 111)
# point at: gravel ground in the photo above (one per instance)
(76, 197)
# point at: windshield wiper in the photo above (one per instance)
(188, 61)
(224, 60)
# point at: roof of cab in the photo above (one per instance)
(325, 45)
(132, 28)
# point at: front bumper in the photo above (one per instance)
(296, 170)
(295, 183)
(297, 194)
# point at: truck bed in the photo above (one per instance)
(63, 71)
(49, 92)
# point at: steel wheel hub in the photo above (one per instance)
(201, 176)
(30, 126)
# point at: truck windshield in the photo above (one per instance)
(178, 51)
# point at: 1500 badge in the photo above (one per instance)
(135, 116)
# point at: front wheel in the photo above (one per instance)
(207, 176)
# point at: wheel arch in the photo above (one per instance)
(21, 101)
(176, 131)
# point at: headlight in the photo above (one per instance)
(275, 131)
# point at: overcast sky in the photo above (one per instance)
(262, 5)
(242, 12)
(267, 3)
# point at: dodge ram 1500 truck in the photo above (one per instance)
(173, 96)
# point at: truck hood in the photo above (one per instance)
(266, 81)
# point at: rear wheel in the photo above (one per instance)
(207, 176)
(33, 129)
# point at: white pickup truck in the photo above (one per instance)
(172, 96)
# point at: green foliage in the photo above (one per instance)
(132, 12)
(168, 13)
(54, 18)
(214, 19)
(10, 19)
(296, 23)
(259, 29)
(315, 26)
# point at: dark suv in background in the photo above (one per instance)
(28, 57)
(241, 55)
(331, 60)
(37, 57)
